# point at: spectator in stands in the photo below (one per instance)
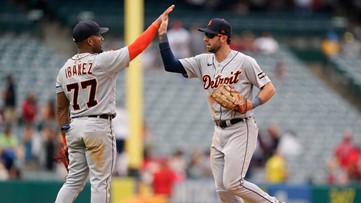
(335, 174)
(15, 173)
(330, 46)
(207, 170)
(29, 109)
(179, 40)
(266, 44)
(344, 149)
(48, 114)
(246, 42)
(1, 116)
(276, 169)
(4, 174)
(196, 4)
(353, 170)
(48, 130)
(358, 165)
(8, 147)
(27, 142)
(150, 165)
(164, 179)
(280, 70)
(9, 111)
(303, 7)
(199, 165)
(121, 132)
(236, 43)
(178, 164)
(343, 167)
(50, 145)
(269, 142)
(289, 146)
(350, 46)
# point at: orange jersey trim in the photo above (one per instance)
(143, 40)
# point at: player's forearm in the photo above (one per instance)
(265, 94)
(143, 40)
(63, 116)
(62, 109)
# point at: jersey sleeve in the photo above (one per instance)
(254, 73)
(192, 66)
(113, 61)
(58, 86)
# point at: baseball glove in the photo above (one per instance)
(229, 98)
(62, 157)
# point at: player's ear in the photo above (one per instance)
(89, 40)
(223, 38)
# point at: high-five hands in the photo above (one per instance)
(163, 19)
(164, 15)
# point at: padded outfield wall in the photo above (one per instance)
(200, 191)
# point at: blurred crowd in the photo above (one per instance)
(346, 44)
(28, 138)
(274, 151)
(245, 6)
(186, 42)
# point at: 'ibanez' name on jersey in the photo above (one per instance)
(213, 83)
(78, 69)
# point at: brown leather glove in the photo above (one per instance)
(229, 98)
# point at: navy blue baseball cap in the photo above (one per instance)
(86, 28)
(218, 26)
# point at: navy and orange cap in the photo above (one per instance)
(86, 28)
(218, 26)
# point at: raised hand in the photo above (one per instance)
(164, 15)
(163, 26)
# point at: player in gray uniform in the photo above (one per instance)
(235, 134)
(86, 92)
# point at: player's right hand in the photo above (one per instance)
(164, 15)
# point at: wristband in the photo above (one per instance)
(65, 128)
(163, 38)
(256, 102)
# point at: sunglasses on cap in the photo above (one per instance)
(210, 35)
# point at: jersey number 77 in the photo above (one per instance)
(87, 84)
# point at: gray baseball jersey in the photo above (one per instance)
(238, 70)
(88, 81)
(233, 146)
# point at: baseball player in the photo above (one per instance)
(86, 105)
(235, 132)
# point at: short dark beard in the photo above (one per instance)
(215, 49)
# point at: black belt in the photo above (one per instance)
(227, 123)
(104, 116)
